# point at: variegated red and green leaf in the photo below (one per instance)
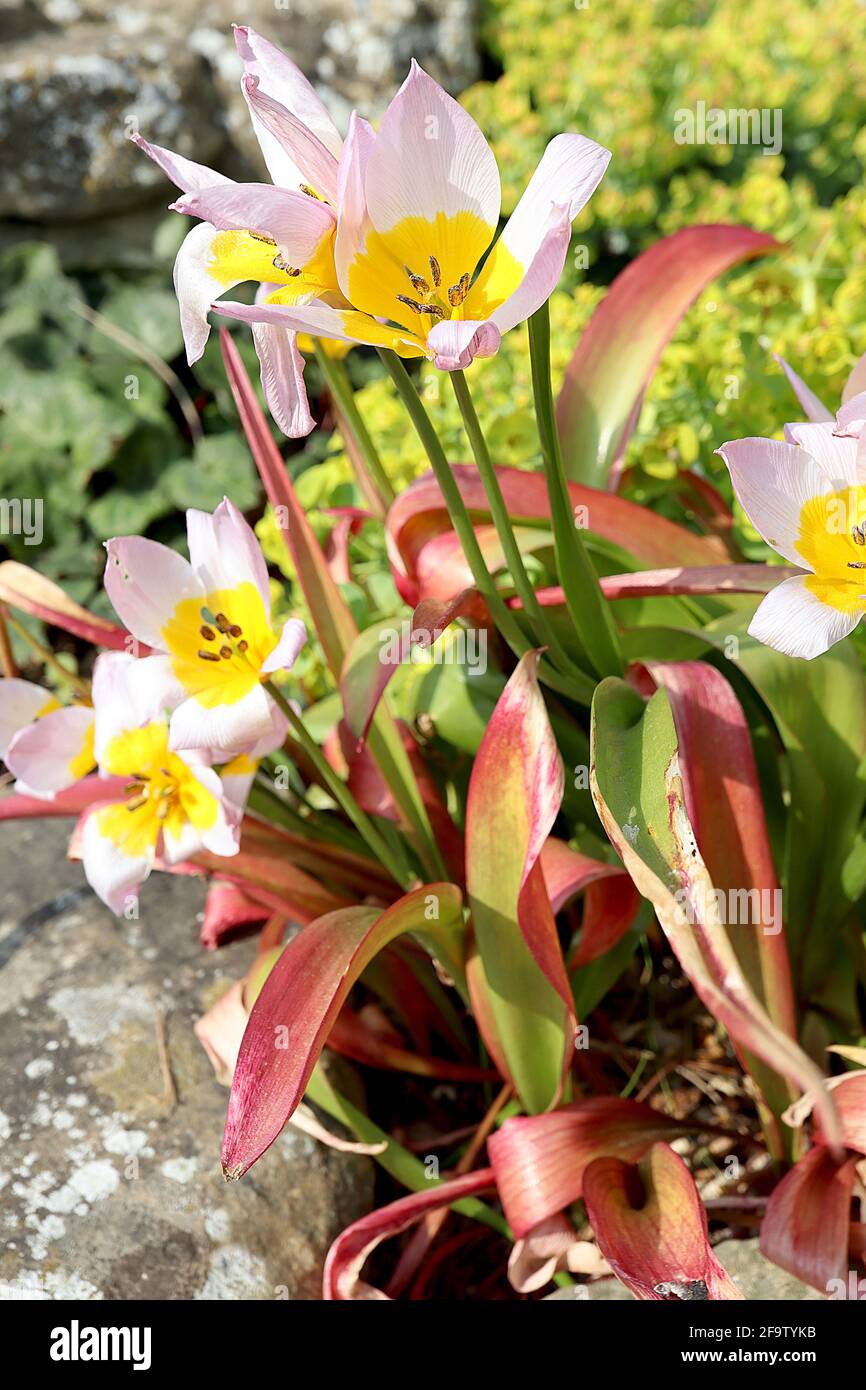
(515, 793)
(651, 1227)
(303, 995)
(601, 395)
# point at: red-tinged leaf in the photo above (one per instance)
(70, 802)
(349, 521)
(540, 1160)
(515, 791)
(22, 587)
(335, 626)
(724, 805)
(351, 1038)
(427, 562)
(228, 907)
(698, 579)
(279, 883)
(604, 382)
(346, 872)
(610, 898)
(301, 998)
(651, 1227)
(638, 793)
(805, 1226)
(334, 623)
(348, 1254)
(377, 653)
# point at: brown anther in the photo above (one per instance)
(858, 534)
(207, 633)
(133, 787)
(207, 656)
(280, 263)
(435, 272)
(162, 810)
(857, 564)
(226, 653)
(412, 304)
(222, 622)
(136, 802)
(434, 311)
(260, 236)
(235, 631)
(458, 292)
(243, 646)
(419, 284)
(310, 192)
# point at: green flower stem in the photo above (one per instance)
(498, 510)
(340, 792)
(340, 387)
(47, 657)
(460, 519)
(586, 604)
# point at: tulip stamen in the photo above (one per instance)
(457, 293)
(419, 284)
(435, 272)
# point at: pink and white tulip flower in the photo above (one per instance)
(417, 208)
(208, 620)
(280, 235)
(173, 805)
(45, 746)
(806, 496)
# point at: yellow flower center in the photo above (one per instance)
(420, 272)
(162, 793)
(238, 256)
(832, 542)
(219, 644)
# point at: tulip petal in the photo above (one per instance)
(525, 264)
(794, 620)
(145, 582)
(232, 728)
(324, 321)
(814, 407)
(285, 653)
(281, 79)
(835, 454)
(20, 703)
(773, 482)
(294, 221)
(185, 173)
(129, 692)
(851, 418)
(282, 373)
(352, 220)
(114, 873)
(54, 753)
(224, 552)
(313, 160)
(196, 287)
(457, 342)
(429, 159)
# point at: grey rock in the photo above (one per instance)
(68, 103)
(111, 1118)
(78, 75)
(759, 1280)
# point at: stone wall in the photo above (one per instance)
(76, 76)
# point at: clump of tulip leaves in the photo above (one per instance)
(626, 1074)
